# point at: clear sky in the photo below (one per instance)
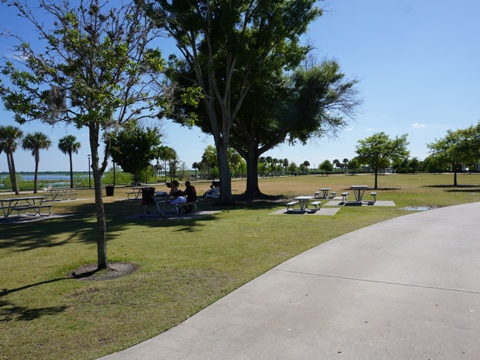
(417, 62)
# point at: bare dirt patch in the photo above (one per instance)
(91, 272)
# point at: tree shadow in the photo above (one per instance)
(442, 186)
(5, 292)
(10, 312)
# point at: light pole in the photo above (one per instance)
(89, 181)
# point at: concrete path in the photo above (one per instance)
(407, 288)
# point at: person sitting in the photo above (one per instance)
(191, 194)
(214, 193)
(177, 194)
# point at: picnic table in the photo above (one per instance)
(323, 192)
(358, 192)
(303, 201)
(54, 194)
(164, 206)
(26, 204)
(135, 191)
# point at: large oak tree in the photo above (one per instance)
(226, 47)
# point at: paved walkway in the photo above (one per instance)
(407, 288)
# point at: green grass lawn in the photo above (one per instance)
(183, 266)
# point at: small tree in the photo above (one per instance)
(454, 149)
(69, 145)
(133, 148)
(35, 142)
(353, 166)
(292, 168)
(94, 69)
(167, 155)
(326, 167)
(378, 150)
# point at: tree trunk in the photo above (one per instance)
(252, 191)
(71, 169)
(13, 173)
(35, 177)
(100, 210)
(101, 222)
(376, 176)
(224, 174)
(455, 178)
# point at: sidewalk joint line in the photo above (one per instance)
(381, 282)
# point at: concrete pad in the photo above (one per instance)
(320, 212)
(352, 203)
(406, 288)
(30, 218)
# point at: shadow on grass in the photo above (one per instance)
(5, 292)
(81, 227)
(10, 312)
(457, 189)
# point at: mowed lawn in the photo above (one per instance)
(183, 265)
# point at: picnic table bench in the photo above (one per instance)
(291, 205)
(316, 204)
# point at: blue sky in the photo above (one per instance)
(417, 62)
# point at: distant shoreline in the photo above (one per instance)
(6, 173)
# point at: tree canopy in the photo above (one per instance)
(133, 148)
(226, 47)
(379, 150)
(456, 148)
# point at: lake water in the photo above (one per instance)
(47, 177)
(56, 179)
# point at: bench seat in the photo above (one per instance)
(291, 204)
(374, 195)
(317, 204)
(344, 196)
(133, 193)
(71, 195)
(180, 206)
(36, 208)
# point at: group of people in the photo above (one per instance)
(189, 195)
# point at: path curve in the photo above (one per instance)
(406, 288)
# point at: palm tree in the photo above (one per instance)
(8, 144)
(69, 145)
(345, 164)
(35, 142)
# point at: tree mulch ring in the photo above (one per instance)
(91, 272)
